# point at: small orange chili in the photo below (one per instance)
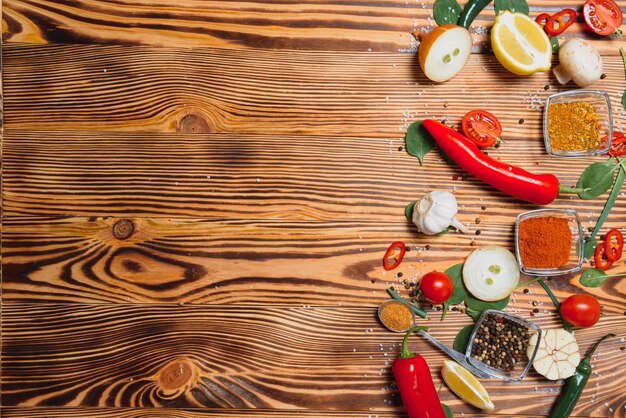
(394, 255)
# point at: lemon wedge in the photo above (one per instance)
(520, 44)
(465, 385)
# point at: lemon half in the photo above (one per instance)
(520, 44)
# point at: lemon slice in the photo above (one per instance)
(465, 385)
(520, 44)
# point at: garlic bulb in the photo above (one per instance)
(557, 355)
(436, 211)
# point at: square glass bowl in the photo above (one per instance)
(602, 104)
(575, 260)
(521, 367)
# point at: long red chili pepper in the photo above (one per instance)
(537, 188)
(415, 383)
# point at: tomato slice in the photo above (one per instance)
(600, 258)
(603, 17)
(394, 255)
(481, 127)
(613, 245)
(618, 144)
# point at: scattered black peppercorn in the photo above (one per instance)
(400, 274)
(427, 246)
(477, 232)
(408, 248)
(477, 221)
(400, 148)
(535, 303)
(521, 121)
(483, 207)
(536, 310)
(603, 76)
(526, 291)
(546, 87)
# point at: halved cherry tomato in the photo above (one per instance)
(601, 260)
(558, 22)
(394, 255)
(603, 17)
(481, 127)
(618, 144)
(613, 245)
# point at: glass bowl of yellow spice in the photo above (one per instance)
(396, 316)
(578, 123)
(549, 242)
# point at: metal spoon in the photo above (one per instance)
(458, 357)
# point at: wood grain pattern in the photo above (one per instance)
(205, 90)
(235, 357)
(378, 25)
(255, 177)
(226, 262)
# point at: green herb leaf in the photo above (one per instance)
(447, 411)
(456, 274)
(462, 339)
(596, 180)
(624, 100)
(554, 41)
(589, 248)
(475, 307)
(617, 186)
(408, 210)
(623, 54)
(592, 278)
(418, 141)
(446, 12)
(516, 6)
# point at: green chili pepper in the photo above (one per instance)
(471, 10)
(575, 384)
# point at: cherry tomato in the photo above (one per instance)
(581, 310)
(613, 245)
(394, 255)
(437, 287)
(618, 144)
(603, 17)
(481, 127)
(601, 260)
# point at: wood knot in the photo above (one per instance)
(177, 377)
(194, 124)
(123, 229)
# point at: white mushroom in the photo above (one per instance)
(579, 62)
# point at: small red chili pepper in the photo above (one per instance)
(618, 144)
(542, 19)
(415, 383)
(558, 22)
(613, 249)
(391, 253)
(602, 262)
(537, 188)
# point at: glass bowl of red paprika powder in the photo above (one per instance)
(549, 242)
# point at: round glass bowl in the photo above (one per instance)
(575, 259)
(522, 365)
(390, 326)
(601, 103)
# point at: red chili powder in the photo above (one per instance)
(544, 242)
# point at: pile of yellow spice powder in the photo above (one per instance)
(573, 126)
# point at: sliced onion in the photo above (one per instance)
(491, 273)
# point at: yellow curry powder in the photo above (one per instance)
(396, 316)
(573, 126)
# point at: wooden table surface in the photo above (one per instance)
(197, 196)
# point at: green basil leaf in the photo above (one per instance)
(475, 307)
(592, 278)
(456, 274)
(418, 141)
(589, 248)
(462, 339)
(408, 210)
(516, 6)
(446, 12)
(447, 411)
(596, 180)
(554, 41)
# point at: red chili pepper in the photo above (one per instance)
(542, 19)
(415, 383)
(600, 258)
(391, 253)
(537, 188)
(613, 249)
(557, 23)
(618, 144)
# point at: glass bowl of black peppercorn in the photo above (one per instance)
(498, 345)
